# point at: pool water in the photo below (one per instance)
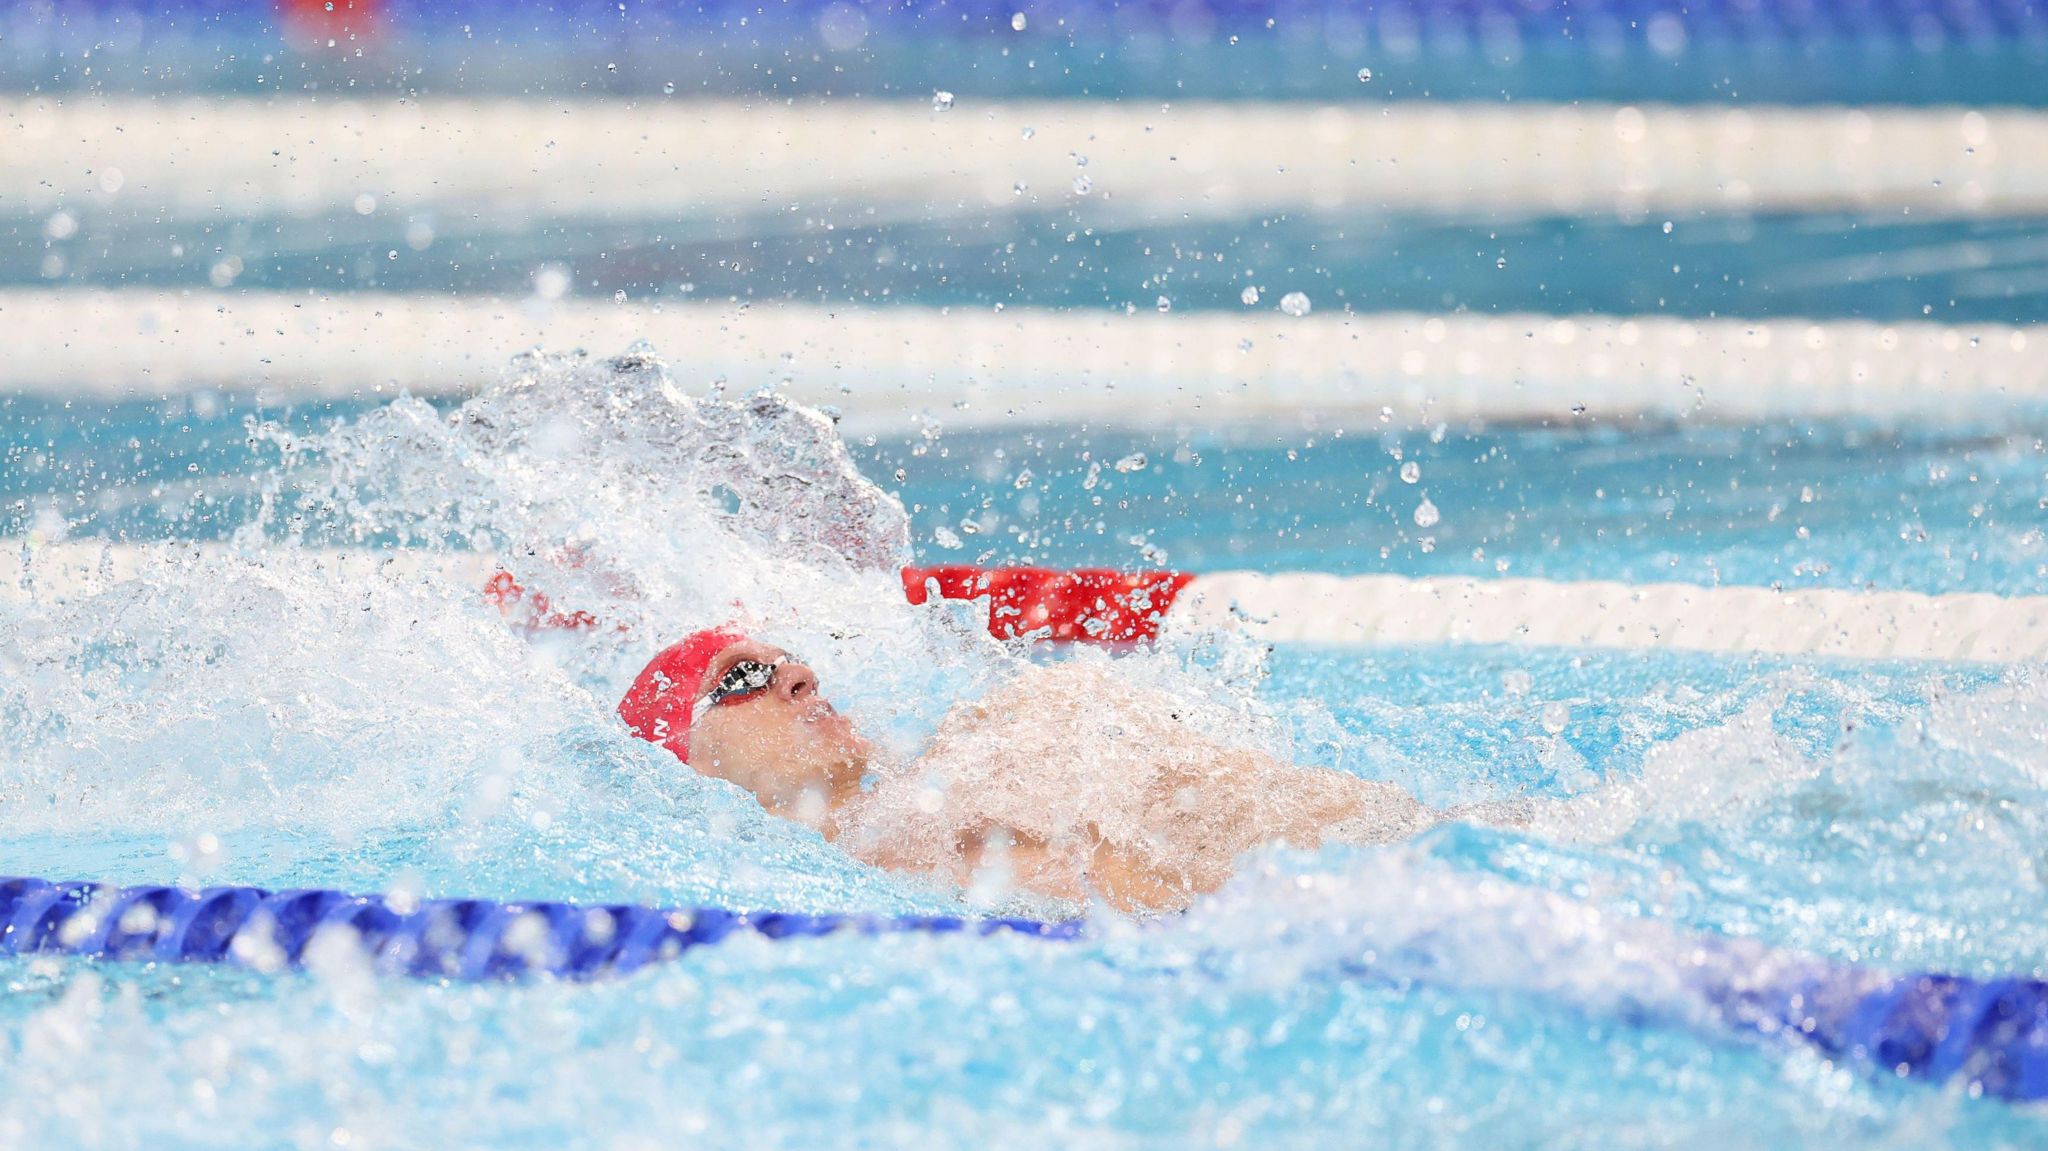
(218, 720)
(241, 714)
(1810, 503)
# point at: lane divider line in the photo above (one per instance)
(199, 157)
(1287, 607)
(972, 368)
(1990, 1033)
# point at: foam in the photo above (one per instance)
(294, 685)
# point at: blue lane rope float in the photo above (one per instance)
(1450, 24)
(1992, 1034)
(466, 939)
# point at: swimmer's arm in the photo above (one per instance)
(1118, 877)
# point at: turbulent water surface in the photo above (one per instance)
(248, 717)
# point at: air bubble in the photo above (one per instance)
(1295, 304)
(1410, 473)
(1250, 296)
(1426, 515)
(1017, 22)
(942, 101)
(1164, 305)
(1555, 717)
(1365, 75)
(1135, 462)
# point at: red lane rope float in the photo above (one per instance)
(1093, 605)
(309, 24)
(1085, 605)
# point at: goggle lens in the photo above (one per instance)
(744, 678)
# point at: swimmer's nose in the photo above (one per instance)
(796, 683)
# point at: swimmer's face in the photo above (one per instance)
(784, 743)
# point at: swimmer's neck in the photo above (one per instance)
(818, 805)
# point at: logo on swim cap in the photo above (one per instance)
(659, 705)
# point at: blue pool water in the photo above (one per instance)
(215, 723)
(247, 717)
(1840, 504)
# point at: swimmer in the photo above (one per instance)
(1155, 815)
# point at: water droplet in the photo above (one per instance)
(942, 101)
(1083, 185)
(551, 281)
(1411, 472)
(1244, 346)
(1295, 304)
(1501, 263)
(669, 89)
(1164, 304)
(1023, 479)
(1250, 296)
(1135, 462)
(1667, 227)
(1555, 716)
(1017, 22)
(1365, 75)
(1029, 131)
(1426, 515)
(946, 538)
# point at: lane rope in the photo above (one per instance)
(891, 366)
(1587, 26)
(695, 160)
(1107, 606)
(1990, 1033)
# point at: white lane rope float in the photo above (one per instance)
(200, 157)
(1288, 607)
(977, 366)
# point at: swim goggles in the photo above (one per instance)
(742, 679)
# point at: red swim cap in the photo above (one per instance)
(658, 706)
